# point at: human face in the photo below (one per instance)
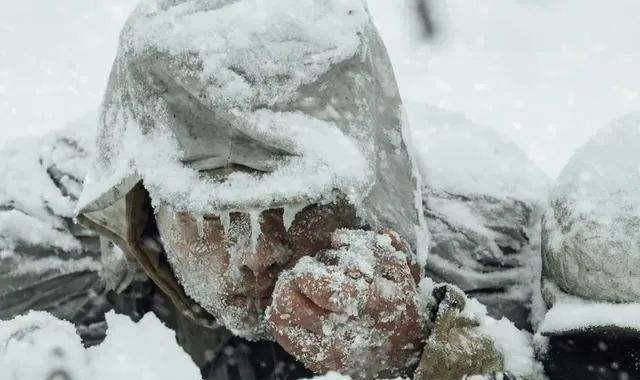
(229, 263)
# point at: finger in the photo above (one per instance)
(290, 307)
(394, 267)
(332, 293)
(397, 242)
(318, 353)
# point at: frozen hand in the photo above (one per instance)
(350, 309)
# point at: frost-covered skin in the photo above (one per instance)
(221, 269)
(352, 308)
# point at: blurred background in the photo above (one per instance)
(545, 73)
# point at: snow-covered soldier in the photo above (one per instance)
(48, 262)
(591, 259)
(251, 159)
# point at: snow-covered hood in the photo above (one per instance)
(301, 90)
(591, 231)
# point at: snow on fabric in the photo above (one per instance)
(41, 182)
(39, 346)
(572, 316)
(483, 201)
(42, 250)
(514, 345)
(591, 233)
(462, 157)
(246, 55)
(300, 93)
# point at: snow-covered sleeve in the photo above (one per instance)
(47, 261)
(482, 202)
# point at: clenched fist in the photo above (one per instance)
(352, 308)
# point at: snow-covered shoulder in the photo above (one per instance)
(591, 234)
(41, 181)
(39, 346)
(458, 156)
(603, 176)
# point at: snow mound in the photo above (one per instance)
(591, 233)
(461, 157)
(572, 316)
(603, 176)
(39, 346)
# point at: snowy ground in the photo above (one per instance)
(39, 346)
(545, 73)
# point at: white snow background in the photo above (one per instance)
(545, 73)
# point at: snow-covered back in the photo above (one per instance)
(591, 233)
(459, 156)
(39, 346)
(603, 176)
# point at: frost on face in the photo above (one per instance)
(351, 308)
(591, 232)
(209, 259)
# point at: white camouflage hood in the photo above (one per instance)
(301, 90)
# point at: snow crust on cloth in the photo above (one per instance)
(43, 251)
(515, 345)
(591, 232)
(483, 202)
(459, 156)
(40, 346)
(570, 313)
(42, 180)
(301, 91)
(238, 56)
